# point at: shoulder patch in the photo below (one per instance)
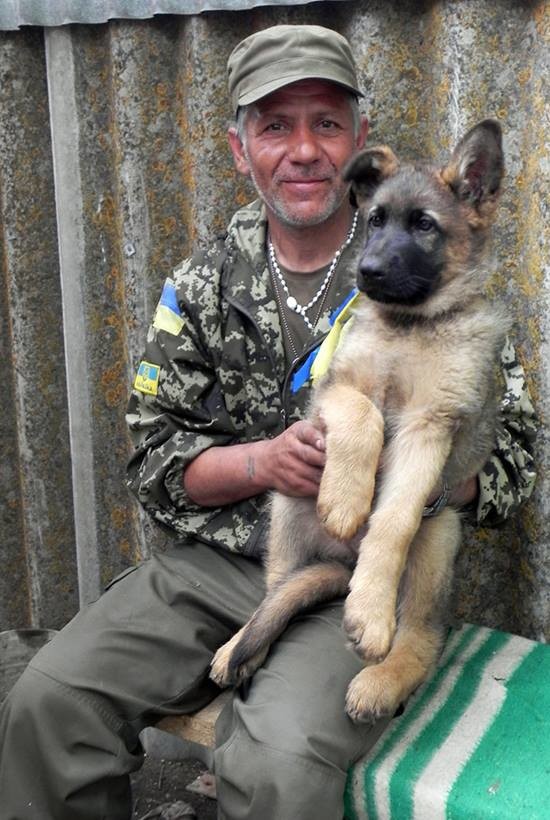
(168, 314)
(147, 378)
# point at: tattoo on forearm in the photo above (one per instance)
(251, 468)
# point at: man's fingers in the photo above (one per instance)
(310, 435)
(305, 487)
(298, 460)
(312, 456)
(303, 481)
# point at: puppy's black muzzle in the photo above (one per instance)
(395, 269)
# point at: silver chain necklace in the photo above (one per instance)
(291, 302)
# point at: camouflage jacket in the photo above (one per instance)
(214, 373)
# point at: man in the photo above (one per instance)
(217, 417)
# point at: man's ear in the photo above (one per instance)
(237, 149)
(475, 170)
(368, 168)
(363, 131)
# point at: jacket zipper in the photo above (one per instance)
(284, 394)
(286, 384)
(249, 316)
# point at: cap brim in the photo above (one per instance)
(273, 85)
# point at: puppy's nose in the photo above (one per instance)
(371, 268)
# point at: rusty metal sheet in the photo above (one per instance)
(134, 114)
(38, 583)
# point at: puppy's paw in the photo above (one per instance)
(341, 521)
(219, 666)
(374, 693)
(225, 672)
(343, 506)
(245, 670)
(370, 636)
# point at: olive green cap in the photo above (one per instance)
(280, 55)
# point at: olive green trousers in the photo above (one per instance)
(69, 730)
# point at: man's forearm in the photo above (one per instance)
(465, 493)
(224, 475)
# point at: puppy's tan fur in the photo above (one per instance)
(410, 387)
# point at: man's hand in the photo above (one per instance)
(294, 461)
(291, 463)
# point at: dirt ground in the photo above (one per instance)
(164, 781)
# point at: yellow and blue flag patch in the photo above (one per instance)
(168, 314)
(147, 378)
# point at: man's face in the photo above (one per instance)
(298, 140)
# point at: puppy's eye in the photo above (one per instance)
(376, 219)
(424, 222)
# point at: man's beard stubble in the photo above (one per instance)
(280, 208)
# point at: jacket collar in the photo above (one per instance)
(247, 280)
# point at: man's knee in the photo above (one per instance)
(255, 779)
(65, 754)
(42, 708)
(33, 696)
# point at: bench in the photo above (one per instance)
(179, 737)
(199, 727)
(473, 742)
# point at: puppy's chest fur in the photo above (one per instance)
(437, 370)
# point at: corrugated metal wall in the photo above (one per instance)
(17, 13)
(113, 163)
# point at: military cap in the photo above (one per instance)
(280, 55)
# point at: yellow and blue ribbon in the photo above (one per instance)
(318, 361)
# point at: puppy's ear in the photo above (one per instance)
(367, 169)
(475, 170)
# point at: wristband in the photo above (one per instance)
(439, 504)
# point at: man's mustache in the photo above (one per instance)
(306, 176)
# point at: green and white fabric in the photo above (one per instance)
(473, 743)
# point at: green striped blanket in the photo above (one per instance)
(473, 743)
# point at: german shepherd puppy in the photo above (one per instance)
(410, 388)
